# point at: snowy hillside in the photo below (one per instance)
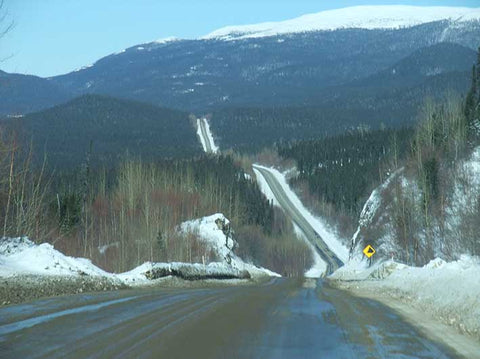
(359, 17)
(450, 236)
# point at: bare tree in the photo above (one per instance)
(5, 24)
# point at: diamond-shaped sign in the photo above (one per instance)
(369, 251)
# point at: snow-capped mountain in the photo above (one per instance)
(357, 17)
(354, 59)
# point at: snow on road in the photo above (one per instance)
(205, 135)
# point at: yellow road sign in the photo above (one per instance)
(369, 251)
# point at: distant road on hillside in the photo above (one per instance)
(333, 262)
(206, 137)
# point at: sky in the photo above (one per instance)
(52, 37)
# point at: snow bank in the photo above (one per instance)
(447, 291)
(361, 17)
(209, 231)
(20, 256)
(319, 267)
(330, 239)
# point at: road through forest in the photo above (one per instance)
(332, 261)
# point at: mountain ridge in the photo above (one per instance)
(358, 17)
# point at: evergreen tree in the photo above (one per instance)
(472, 104)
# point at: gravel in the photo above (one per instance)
(18, 289)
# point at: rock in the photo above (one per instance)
(156, 273)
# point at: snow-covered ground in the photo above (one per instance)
(209, 137)
(449, 292)
(330, 239)
(362, 17)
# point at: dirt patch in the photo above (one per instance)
(20, 289)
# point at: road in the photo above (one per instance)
(280, 319)
(204, 135)
(333, 262)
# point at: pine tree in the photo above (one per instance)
(472, 103)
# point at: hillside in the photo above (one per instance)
(113, 127)
(21, 94)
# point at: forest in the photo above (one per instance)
(422, 215)
(127, 213)
(106, 129)
(341, 171)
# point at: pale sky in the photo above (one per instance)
(52, 37)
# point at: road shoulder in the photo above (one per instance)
(26, 288)
(463, 344)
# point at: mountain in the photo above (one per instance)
(423, 64)
(113, 127)
(21, 94)
(396, 92)
(391, 97)
(200, 75)
(327, 60)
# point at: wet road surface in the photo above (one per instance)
(280, 319)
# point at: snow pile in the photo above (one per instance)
(361, 17)
(22, 256)
(330, 239)
(447, 291)
(208, 229)
(357, 268)
(208, 138)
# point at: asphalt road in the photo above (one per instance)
(280, 319)
(203, 131)
(333, 262)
